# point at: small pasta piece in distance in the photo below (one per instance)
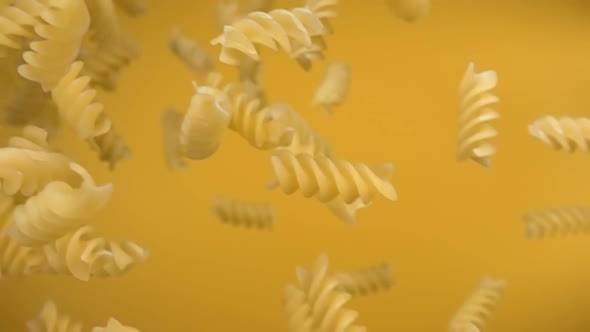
(171, 120)
(409, 10)
(562, 133)
(51, 320)
(334, 87)
(246, 214)
(366, 281)
(114, 325)
(191, 53)
(564, 220)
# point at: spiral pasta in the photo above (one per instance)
(261, 216)
(171, 121)
(317, 305)
(191, 53)
(132, 7)
(50, 320)
(563, 133)
(478, 307)
(85, 255)
(76, 105)
(334, 87)
(228, 11)
(319, 176)
(111, 147)
(66, 24)
(32, 138)
(16, 19)
(409, 10)
(363, 282)
(114, 325)
(475, 132)
(563, 220)
(57, 209)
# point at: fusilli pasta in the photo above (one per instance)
(50, 320)
(111, 147)
(334, 87)
(261, 216)
(564, 133)
(363, 282)
(478, 307)
(114, 325)
(564, 220)
(171, 121)
(15, 22)
(191, 53)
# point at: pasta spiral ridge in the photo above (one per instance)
(334, 86)
(85, 255)
(66, 24)
(364, 282)
(114, 325)
(317, 304)
(57, 209)
(285, 29)
(478, 307)
(49, 319)
(475, 132)
(32, 138)
(111, 147)
(76, 105)
(564, 220)
(563, 133)
(327, 179)
(246, 214)
(16, 20)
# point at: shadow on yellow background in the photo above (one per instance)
(453, 223)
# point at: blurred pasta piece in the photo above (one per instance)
(245, 214)
(477, 309)
(114, 325)
(563, 133)
(346, 211)
(563, 220)
(17, 18)
(57, 209)
(370, 280)
(334, 87)
(132, 7)
(228, 11)
(171, 121)
(191, 53)
(111, 147)
(51, 320)
(409, 10)
(475, 131)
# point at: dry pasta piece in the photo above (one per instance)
(478, 307)
(409, 10)
(50, 320)
(31, 138)
(246, 214)
(317, 305)
(327, 179)
(16, 20)
(334, 87)
(563, 220)
(114, 325)
(563, 133)
(111, 147)
(132, 7)
(191, 53)
(57, 209)
(364, 282)
(228, 11)
(76, 105)
(171, 121)
(85, 255)
(475, 131)
(66, 22)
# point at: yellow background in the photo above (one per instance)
(453, 223)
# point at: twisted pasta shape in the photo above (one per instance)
(32, 138)
(364, 282)
(114, 325)
(228, 11)
(132, 7)
(334, 87)
(50, 320)
(326, 179)
(66, 24)
(475, 131)
(16, 19)
(111, 147)
(289, 30)
(478, 307)
(76, 105)
(261, 216)
(317, 304)
(409, 10)
(191, 53)
(564, 220)
(171, 121)
(85, 255)
(563, 133)
(57, 209)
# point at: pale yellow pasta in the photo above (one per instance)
(50, 320)
(478, 308)
(317, 305)
(191, 53)
(326, 179)
(563, 133)
(245, 214)
(334, 86)
(76, 104)
(228, 11)
(16, 19)
(104, 23)
(111, 147)
(475, 131)
(133, 7)
(171, 121)
(31, 138)
(114, 325)
(66, 22)
(564, 220)
(409, 10)
(57, 209)
(85, 255)
(364, 282)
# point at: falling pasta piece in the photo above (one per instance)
(564, 220)
(114, 325)
(133, 7)
(317, 304)
(111, 147)
(50, 320)
(334, 87)
(171, 121)
(246, 214)
(475, 131)
(16, 20)
(364, 282)
(409, 10)
(564, 133)
(474, 313)
(191, 53)
(346, 211)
